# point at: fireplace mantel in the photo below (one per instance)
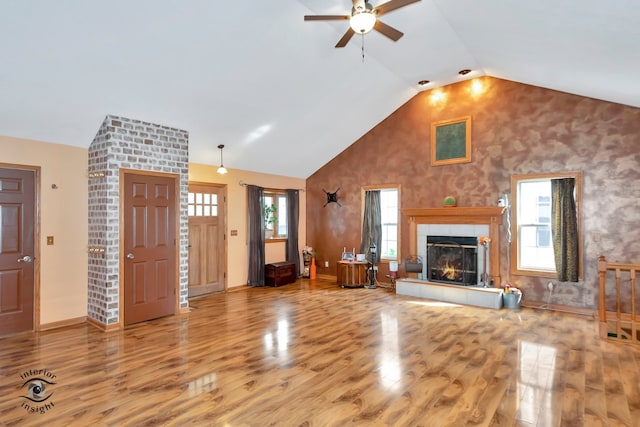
(490, 215)
(478, 215)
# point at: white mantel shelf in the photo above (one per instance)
(490, 215)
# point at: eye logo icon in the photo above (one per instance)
(36, 386)
(37, 389)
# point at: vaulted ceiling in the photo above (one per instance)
(253, 75)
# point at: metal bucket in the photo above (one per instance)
(512, 300)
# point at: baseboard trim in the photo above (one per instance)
(102, 326)
(63, 323)
(576, 311)
(237, 288)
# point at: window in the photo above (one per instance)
(275, 205)
(389, 197)
(202, 204)
(532, 248)
(534, 225)
(389, 217)
(543, 232)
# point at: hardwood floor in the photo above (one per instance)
(314, 354)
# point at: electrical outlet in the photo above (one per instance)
(550, 286)
(326, 263)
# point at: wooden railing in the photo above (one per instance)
(623, 323)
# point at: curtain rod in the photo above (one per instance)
(244, 184)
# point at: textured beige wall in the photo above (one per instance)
(237, 246)
(63, 215)
(516, 129)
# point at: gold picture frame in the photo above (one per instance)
(451, 141)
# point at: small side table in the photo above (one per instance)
(352, 274)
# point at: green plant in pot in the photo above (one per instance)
(449, 202)
(270, 215)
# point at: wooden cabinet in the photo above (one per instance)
(352, 274)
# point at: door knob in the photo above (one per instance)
(130, 256)
(25, 258)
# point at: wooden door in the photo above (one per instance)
(149, 247)
(17, 250)
(206, 238)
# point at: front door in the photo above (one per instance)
(17, 250)
(149, 247)
(206, 209)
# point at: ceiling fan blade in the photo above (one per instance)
(326, 17)
(392, 5)
(345, 39)
(388, 31)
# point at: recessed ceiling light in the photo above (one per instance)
(424, 82)
(464, 72)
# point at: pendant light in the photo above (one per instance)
(221, 170)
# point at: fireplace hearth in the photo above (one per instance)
(452, 260)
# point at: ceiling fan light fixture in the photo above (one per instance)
(362, 22)
(221, 170)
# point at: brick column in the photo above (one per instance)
(123, 143)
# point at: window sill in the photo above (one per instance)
(275, 239)
(535, 273)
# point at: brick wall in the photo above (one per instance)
(123, 143)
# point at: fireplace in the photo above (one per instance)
(452, 260)
(467, 221)
(472, 222)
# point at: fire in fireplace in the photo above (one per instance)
(453, 260)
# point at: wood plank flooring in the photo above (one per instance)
(314, 354)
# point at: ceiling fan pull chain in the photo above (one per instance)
(362, 47)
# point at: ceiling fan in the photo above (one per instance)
(364, 18)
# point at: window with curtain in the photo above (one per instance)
(542, 245)
(381, 227)
(275, 203)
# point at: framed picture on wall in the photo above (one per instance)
(451, 141)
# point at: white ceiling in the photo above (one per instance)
(253, 75)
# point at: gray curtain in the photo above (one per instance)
(256, 235)
(293, 218)
(372, 224)
(564, 228)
